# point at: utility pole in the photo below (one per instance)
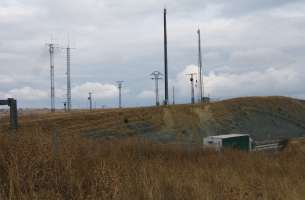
(65, 106)
(200, 67)
(173, 95)
(157, 76)
(192, 87)
(120, 83)
(90, 101)
(51, 51)
(165, 59)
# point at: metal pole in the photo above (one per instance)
(200, 67)
(165, 59)
(192, 87)
(90, 100)
(120, 93)
(157, 92)
(173, 95)
(120, 97)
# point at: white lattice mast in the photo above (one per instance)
(51, 51)
(69, 98)
(156, 75)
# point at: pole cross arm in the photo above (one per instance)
(12, 103)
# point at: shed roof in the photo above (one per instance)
(229, 136)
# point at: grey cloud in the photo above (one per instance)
(123, 40)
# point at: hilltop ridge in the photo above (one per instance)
(264, 118)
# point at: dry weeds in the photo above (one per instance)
(34, 165)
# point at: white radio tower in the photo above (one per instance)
(51, 51)
(69, 98)
(156, 75)
(68, 78)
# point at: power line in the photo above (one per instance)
(157, 76)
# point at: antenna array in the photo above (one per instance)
(156, 75)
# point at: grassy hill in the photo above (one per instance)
(51, 156)
(264, 118)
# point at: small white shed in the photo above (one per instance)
(236, 141)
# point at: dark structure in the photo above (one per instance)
(165, 60)
(201, 91)
(12, 103)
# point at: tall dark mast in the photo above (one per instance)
(200, 67)
(165, 60)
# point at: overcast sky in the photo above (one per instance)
(249, 48)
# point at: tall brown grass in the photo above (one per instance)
(38, 166)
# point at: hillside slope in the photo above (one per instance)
(264, 118)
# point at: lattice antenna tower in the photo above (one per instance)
(156, 75)
(69, 95)
(52, 47)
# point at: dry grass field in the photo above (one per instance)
(52, 157)
(39, 166)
